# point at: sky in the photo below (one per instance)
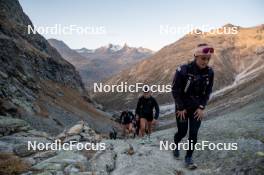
(151, 24)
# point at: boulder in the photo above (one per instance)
(23, 151)
(7, 107)
(76, 129)
(62, 160)
(10, 125)
(40, 156)
(72, 138)
(104, 161)
(71, 169)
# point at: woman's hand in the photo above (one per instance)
(181, 114)
(199, 114)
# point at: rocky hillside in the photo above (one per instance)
(16, 158)
(236, 57)
(243, 126)
(37, 84)
(43, 100)
(96, 65)
(67, 53)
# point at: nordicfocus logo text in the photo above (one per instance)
(165, 145)
(125, 87)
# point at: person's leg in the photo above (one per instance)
(137, 127)
(142, 127)
(124, 129)
(149, 127)
(193, 132)
(133, 130)
(130, 127)
(182, 126)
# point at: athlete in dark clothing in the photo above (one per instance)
(126, 119)
(192, 86)
(144, 112)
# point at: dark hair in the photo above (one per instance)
(146, 89)
(203, 44)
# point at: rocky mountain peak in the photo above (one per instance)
(114, 48)
(229, 25)
(37, 83)
(125, 46)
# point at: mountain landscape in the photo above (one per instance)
(101, 63)
(238, 58)
(43, 99)
(36, 81)
(67, 53)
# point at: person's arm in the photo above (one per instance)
(121, 117)
(177, 85)
(133, 116)
(138, 107)
(204, 99)
(156, 105)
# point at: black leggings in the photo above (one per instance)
(183, 127)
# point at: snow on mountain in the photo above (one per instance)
(84, 50)
(98, 64)
(114, 48)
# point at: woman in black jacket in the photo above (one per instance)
(192, 86)
(144, 112)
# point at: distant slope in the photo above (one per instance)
(235, 57)
(96, 65)
(70, 55)
(37, 84)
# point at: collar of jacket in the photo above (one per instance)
(197, 69)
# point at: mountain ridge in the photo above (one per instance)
(103, 62)
(233, 55)
(37, 83)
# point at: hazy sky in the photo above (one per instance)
(138, 22)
